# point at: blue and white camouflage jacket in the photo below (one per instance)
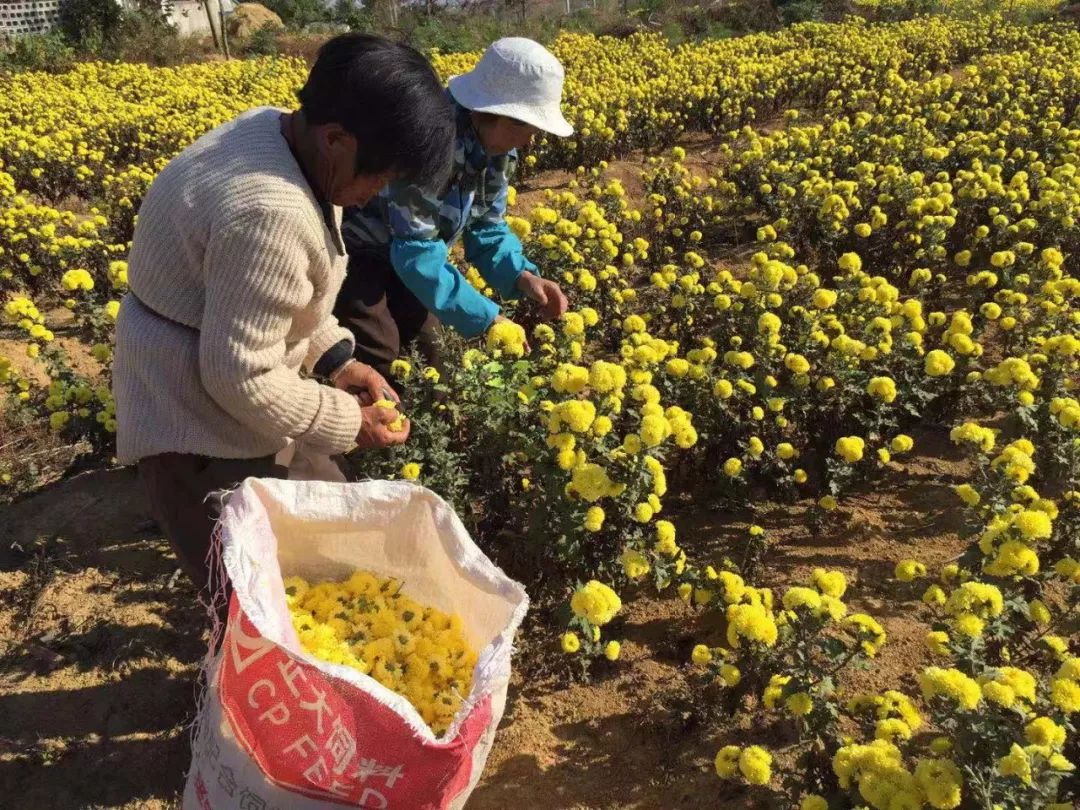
(418, 227)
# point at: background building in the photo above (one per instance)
(23, 17)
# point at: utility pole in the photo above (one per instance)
(221, 24)
(210, 22)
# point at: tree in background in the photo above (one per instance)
(90, 23)
(298, 13)
(354, 14)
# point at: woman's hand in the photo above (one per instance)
(369, 385)
(375, 431)
(549, 295)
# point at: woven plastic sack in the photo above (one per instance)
(278, 728)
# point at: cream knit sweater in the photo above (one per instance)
(233, 272)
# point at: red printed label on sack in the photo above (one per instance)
(329, 740)
(202, 795)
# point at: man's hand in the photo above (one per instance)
(369, 385)
(546, 293)
(375, 431)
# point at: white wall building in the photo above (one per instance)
(29, 17)
(41, 16)
(189, 16)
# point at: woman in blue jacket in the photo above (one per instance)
(400, 279)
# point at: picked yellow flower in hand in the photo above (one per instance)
(398, 424)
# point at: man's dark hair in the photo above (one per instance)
(389, 98)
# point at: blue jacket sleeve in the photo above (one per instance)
(497, 253)
(424, 268)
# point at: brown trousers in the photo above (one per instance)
(383, 315)
(178, 488)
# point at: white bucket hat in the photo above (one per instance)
(518, 78)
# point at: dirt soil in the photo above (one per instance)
(100, 640)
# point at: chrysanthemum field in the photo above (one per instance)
(794, 487)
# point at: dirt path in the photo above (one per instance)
(100, 644)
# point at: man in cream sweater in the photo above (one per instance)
(226, 347)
